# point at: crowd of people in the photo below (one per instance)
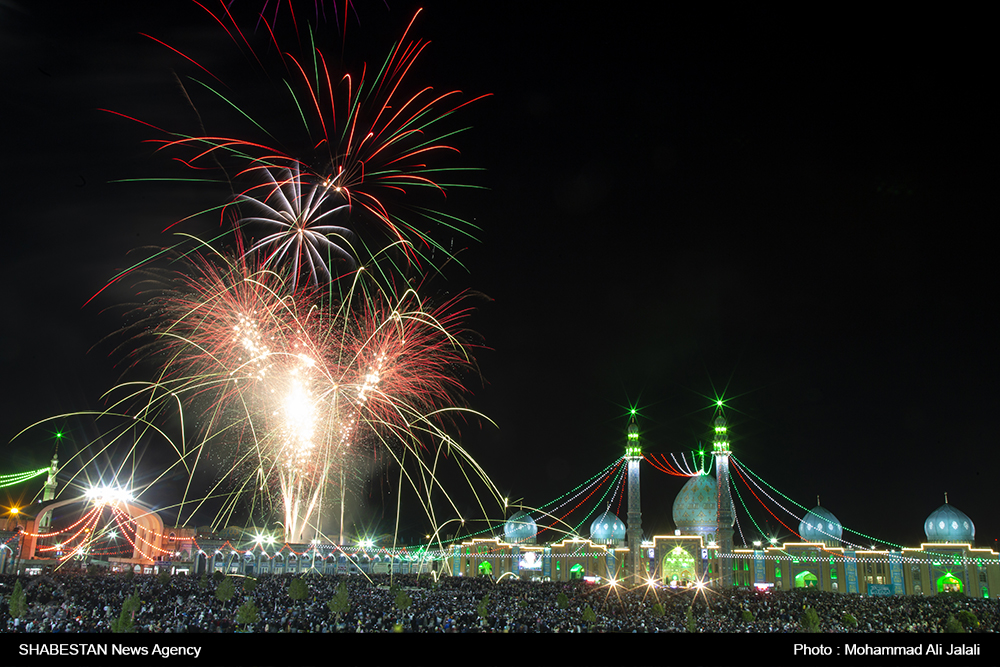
(88, 603)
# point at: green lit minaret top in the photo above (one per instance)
(633, 450)
(720, 442)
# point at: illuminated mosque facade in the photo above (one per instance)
(700, 552)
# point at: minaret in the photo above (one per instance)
(724, 499)
(633, 454)
(49, 492)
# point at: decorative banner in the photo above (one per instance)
(896, 572)
(880, 590)
(515, 560)
(759, 567)
(851, 571)
(456, 561)
(547, 563)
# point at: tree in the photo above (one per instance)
(809, 621)
(126, 620)
(589, 617)
(562, 600)
(340, 602)
(403, 600)
(747, 616)
(689, 622)
(164, 578)
(225, 591)
(249, 584)
(481, 608)
(953, 624)
(850, 621)
(298, 589)
(18, 603)
(968, 619)
(247, 614)
(657, 610)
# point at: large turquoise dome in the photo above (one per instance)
(607, 529)
(696, 507)
(947, 524)
(520, 529)
(820, 525)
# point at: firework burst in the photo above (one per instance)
(295, 385)
(293, 219)
(372, 139)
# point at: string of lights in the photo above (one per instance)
(126, 522)
(803, 508)
(893, 547)
(677, 468)
(13, 479)
(736, 516)
(593, 489)
(740, 474)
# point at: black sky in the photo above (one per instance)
(795, 210)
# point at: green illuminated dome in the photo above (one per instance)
(520, 529)
(695, 507)
(607, 529)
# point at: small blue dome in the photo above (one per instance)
(947, 524)
(695, 508)
(520, 529)
(607, 529)
(820, 525)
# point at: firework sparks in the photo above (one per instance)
(295, 219)
(370, 139)
(296, 383)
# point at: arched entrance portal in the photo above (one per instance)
(949, 583)
(147, 525)
(678, 567)
(806, 580)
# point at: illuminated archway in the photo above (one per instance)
(146, 523)
(948, 583)
(806, 579)
(678, 566)
(576, 572)
(486, 569)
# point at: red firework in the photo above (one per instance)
(371, 137)
(293, 384)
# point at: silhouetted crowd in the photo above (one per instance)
(76, 602)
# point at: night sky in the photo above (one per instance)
(793, 212)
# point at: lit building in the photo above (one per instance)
(697, 553)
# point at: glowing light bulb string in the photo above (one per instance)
(746, 509)
(621, 494)
(13, 479)
(736, 468)
(614, 486)
(593, 489)
(807, 512)
(803, 508)
(678, 468)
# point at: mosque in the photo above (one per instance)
(700, 552)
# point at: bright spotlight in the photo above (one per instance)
(105, 495)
